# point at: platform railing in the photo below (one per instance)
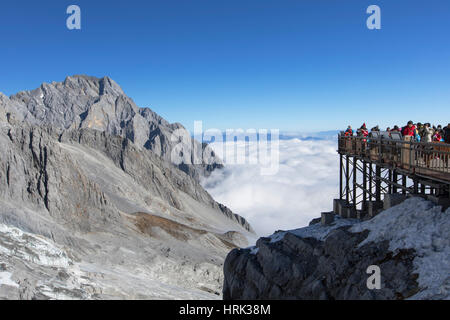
(429, 159)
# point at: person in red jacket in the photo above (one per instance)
(409, 129)
(437, 137)
(364, 130)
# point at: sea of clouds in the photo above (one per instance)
(305, 184)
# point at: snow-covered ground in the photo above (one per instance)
(34, 267)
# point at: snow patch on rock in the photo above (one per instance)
(420, 225)
(316, 231)
(5, 280)
(31, 248)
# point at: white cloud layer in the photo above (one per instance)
(304, 186)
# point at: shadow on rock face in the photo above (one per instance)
(307, 268)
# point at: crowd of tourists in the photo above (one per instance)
(419, 132)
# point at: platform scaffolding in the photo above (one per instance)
(381, 170)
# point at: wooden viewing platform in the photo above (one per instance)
(379, 171)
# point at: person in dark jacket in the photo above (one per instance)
(447, 134)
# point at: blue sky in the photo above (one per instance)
(301, 65)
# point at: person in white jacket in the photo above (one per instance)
(427, 133)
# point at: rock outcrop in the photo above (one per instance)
(407, 242)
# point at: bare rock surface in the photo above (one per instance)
(90, 208)
(409, 243)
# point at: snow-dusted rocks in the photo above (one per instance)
(422, 226)
(409, 242)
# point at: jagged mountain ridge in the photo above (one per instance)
(86, 102)
(99, 103)
(79, 180)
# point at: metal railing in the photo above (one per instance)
(428, 159)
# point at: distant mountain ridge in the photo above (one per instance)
(320, 135)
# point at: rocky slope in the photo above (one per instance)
(410, 243)
(91, 206)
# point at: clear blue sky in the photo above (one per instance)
(294, 65)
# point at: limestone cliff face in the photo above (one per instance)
(95, 112)
(407, 242)
(88, 198)
(36, 172)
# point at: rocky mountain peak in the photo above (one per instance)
(101, 86)
(83, 101)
